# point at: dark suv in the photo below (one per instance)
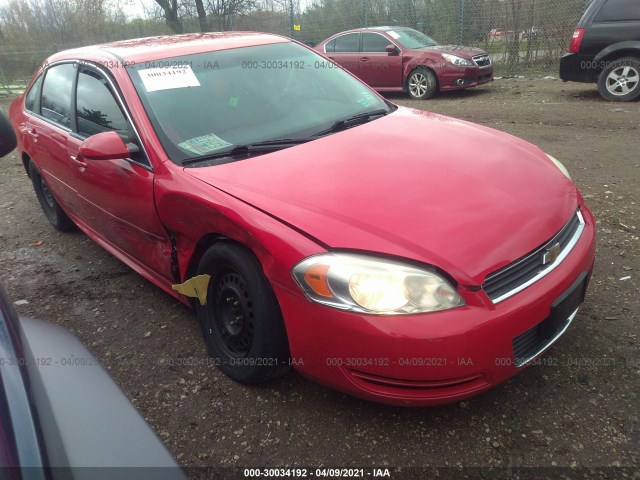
(606, 49)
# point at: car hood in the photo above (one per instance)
(464, 52)
(413, 184)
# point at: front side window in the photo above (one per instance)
(96, 108)
(56, 94)
(210, 103)
(374, 42)
(619, 10)
(347, 43)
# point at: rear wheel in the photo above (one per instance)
(422, 84)
(620, 81)
(51, 208)
(241, 320)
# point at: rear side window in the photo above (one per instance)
(96, 108)
(56, 94)
(30, 99)
(330, 46)
(619, 10)
(347, 43)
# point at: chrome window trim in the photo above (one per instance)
(119, 100)
(49, 121)
(552, 266)
(523, 363)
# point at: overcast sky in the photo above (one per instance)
(136, 8)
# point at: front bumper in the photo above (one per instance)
(459, 78)
(426, 359)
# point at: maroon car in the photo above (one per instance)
(399, 59)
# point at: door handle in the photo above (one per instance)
(82, 166)
(364, 59)
(33, 134)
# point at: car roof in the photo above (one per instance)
(374, 29)
(168, 46)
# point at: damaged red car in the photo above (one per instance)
(400, 59)
(304, 219)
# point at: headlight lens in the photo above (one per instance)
(366, 284)
(559, 164)
(458, 61)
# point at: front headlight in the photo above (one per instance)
(366, 284)
(562, 168)
(457, 61)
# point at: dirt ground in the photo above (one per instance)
(582, 410)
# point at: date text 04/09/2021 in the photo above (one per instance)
(316, 473)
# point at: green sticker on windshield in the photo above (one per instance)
(365, 99)
(233, 101)
(205, 144)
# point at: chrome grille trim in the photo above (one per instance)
(521, 362)
(570, 244)
(482, 60)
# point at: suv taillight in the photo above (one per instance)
(574, 46)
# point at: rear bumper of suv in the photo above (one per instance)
(577, 68)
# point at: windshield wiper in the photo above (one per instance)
(353, 121)
(244, 150)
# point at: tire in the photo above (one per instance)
(241, 322)
(422, 84)
(51, 208)
(620, 81)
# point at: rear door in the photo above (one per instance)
(344, 50)
(48, 128)
(116, 197)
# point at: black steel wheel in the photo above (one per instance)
(241, 321)
(51, 208)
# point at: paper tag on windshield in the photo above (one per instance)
(393, 34)
(155, 79)
(205, 144)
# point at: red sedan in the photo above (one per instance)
(400, 59)
(304, 220)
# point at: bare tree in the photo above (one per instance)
(202, 16)
(170, 9)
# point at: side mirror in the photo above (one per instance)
(106, 146)
(391, 49)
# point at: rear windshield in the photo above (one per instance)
(619, 10)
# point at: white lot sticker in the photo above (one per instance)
(205, 144)
(155, 79)
(393, 34)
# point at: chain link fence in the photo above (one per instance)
(522, 36)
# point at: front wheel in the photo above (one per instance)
(422, 84)
(620, 81)
(241, 320)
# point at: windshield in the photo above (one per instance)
(209, 103)
(412, 39)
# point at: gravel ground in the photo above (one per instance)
(580, 408)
